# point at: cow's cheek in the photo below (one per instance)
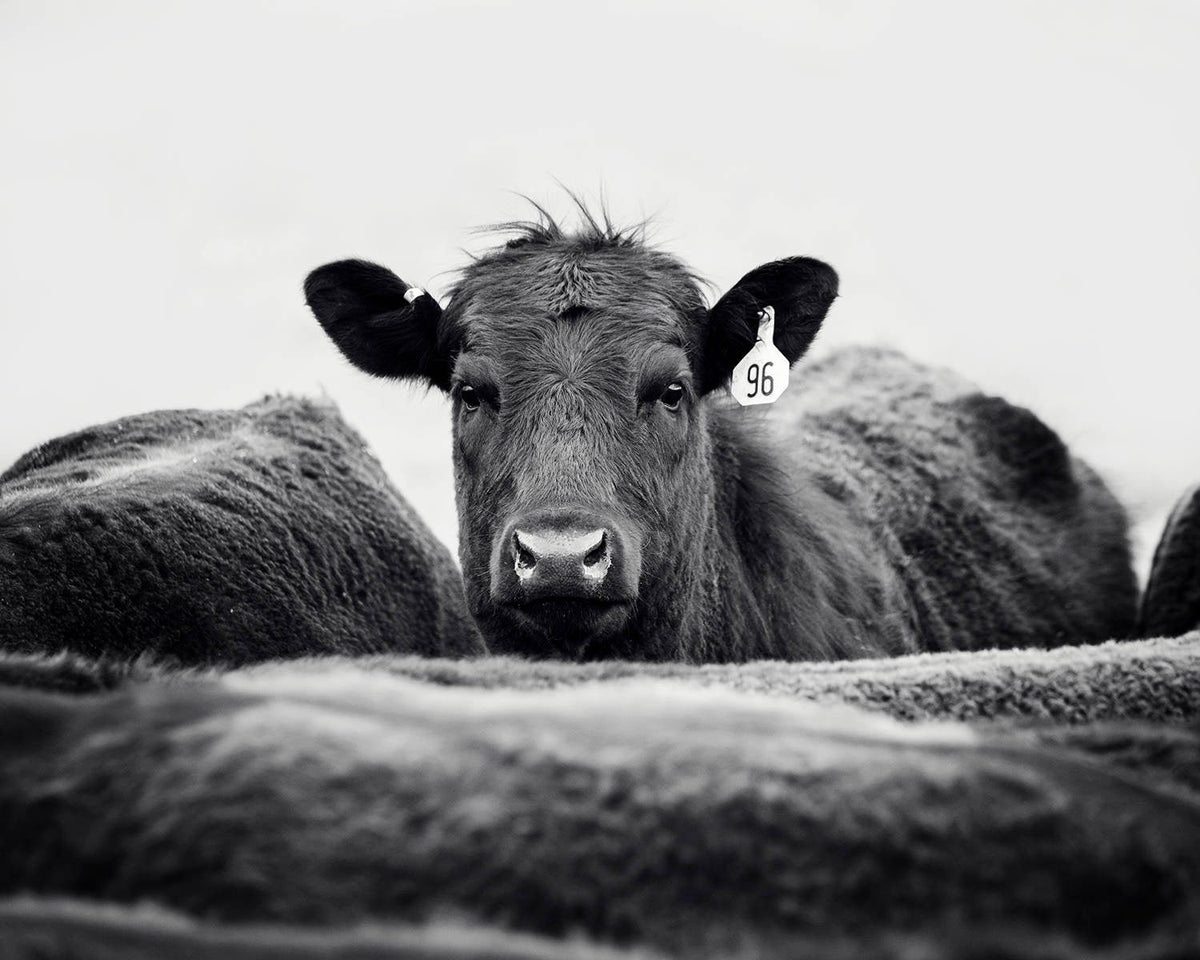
(479, 470)
(666, 457)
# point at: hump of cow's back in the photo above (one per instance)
(1002, 537)
(223, 536)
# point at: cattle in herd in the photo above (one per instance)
(614, 502)
(220, 537)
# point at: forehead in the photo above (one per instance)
(523, 295)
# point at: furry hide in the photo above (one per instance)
(57, 929)
(1149, 680)
(697, 822)
(220, 537)
(1000, 536)
(896, 509)
(1171, 603)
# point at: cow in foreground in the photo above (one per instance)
(613, 502)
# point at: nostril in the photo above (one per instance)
(525, 559)
(597, 560)
(560, 559)
(598, 552)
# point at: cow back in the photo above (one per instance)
(221, 537)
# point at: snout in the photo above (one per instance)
(556, 562)
(569, 577)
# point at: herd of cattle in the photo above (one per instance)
(614, 505)
(613, 502)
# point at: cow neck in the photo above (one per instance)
(795, 577)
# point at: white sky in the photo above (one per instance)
(1008, 187)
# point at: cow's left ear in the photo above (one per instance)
(380, 323)
(799, 288)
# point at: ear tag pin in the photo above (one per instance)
(762, 374)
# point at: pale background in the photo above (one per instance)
(1006, 187)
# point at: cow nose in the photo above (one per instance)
(562, 578)
(554, 555)
(562, 557)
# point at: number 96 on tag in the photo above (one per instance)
(762, 374)
(759, 380)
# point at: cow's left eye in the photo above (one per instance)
(469, 396)
(672, 396)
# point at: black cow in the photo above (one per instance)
(614, 503)
(220, 537)
(688, 822)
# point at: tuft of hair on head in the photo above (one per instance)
(593, 229)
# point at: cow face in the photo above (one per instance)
(577, 366)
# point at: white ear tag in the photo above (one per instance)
(762, 374)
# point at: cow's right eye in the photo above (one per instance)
(469, 396)
(672, 396)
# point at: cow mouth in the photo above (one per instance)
(568, 626)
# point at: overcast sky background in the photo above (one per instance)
(1009, 188)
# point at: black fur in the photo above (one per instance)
(33, 928)
(695, 822)
(882, 507)
(1171, 604)
(362, 308)
(800, 289)
(220, 537)
(1156, 681)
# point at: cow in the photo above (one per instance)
(220, 537)
(685, 821)
(614, 502)
(1171, 602)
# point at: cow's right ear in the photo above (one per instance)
(380, 323)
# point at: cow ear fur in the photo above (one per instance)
(799, 288)
(363, 308)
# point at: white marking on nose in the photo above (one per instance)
(532, 547)
(561, 543)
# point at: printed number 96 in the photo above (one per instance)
(761, 380)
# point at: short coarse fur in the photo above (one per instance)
(1171, 603)
(697, 822)
(881, 507)
(1153, 681)
(220, 537)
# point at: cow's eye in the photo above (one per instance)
(672, 396)
(469, 396)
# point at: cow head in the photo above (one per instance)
(578, 365)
